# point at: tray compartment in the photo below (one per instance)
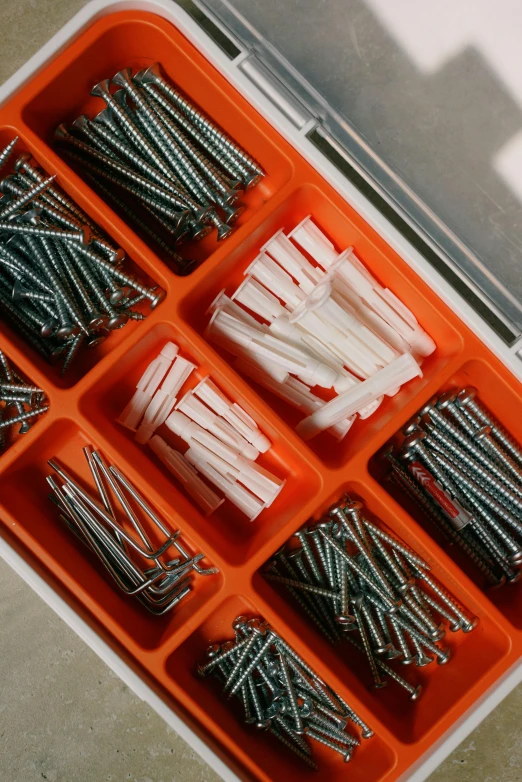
(16, 442)
(343, 230)
(87, 359)
(448, 689)
(500, 395)
(266, 758)
(61, 92)
(23, 496)
(227, 530)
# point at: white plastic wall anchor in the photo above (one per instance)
(384, 303)
(349, 350)
(294, 392)
(344, 295)
(187, 475)
(164, 399)
(288, 357)
(225, 303)
(255, 297)
(190, 431)
(233, 413)
(260, 482)
(349, 268)
(313, 240)
(400, 371)
(345, 320)
(247, 503)
(272, 276)
(345, 379)
(281, 249)
(147, 386)
(368, 410)
(194, 409)
(295, 335)
(277, 372)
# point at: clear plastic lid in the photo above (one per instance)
(417, 111)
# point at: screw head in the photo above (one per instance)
(411, 426)
(252, 181)
(484, 431)
(224, 231)
(67, 330)
(345, 620)
(239, 623)
(151, 75)
(199, 230)
(48, 328)
(442, 659)
(516, 558)
(406, 586)
(159, 297)
(381, 650)
(117, 321)
(98, 322)
(422, 660)
(18, 290)
(81, 122)
(417, 692)
(427, 407)
(471, 625)
(95, 341)
(467, 395)
(116, 296)
(22, 162)
(122, 78)
(446, 399)
(411, 440)
(393, 653)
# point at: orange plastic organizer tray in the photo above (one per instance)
(164, 651)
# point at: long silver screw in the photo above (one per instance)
(467, 399)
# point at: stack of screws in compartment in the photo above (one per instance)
(464, 471)
(20, 402)
(62, 284)
(171, 172)
(281, 693)
(358, 583)
(119, 527)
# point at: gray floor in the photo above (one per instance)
(64, 717)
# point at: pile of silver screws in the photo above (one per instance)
(115, 524)
(62, 285)
(20, 402)
(280, 693)
(157, 159)
(358, 583)
(464, 471)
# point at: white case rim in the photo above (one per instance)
(169, 10)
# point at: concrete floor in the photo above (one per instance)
(64, 717)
